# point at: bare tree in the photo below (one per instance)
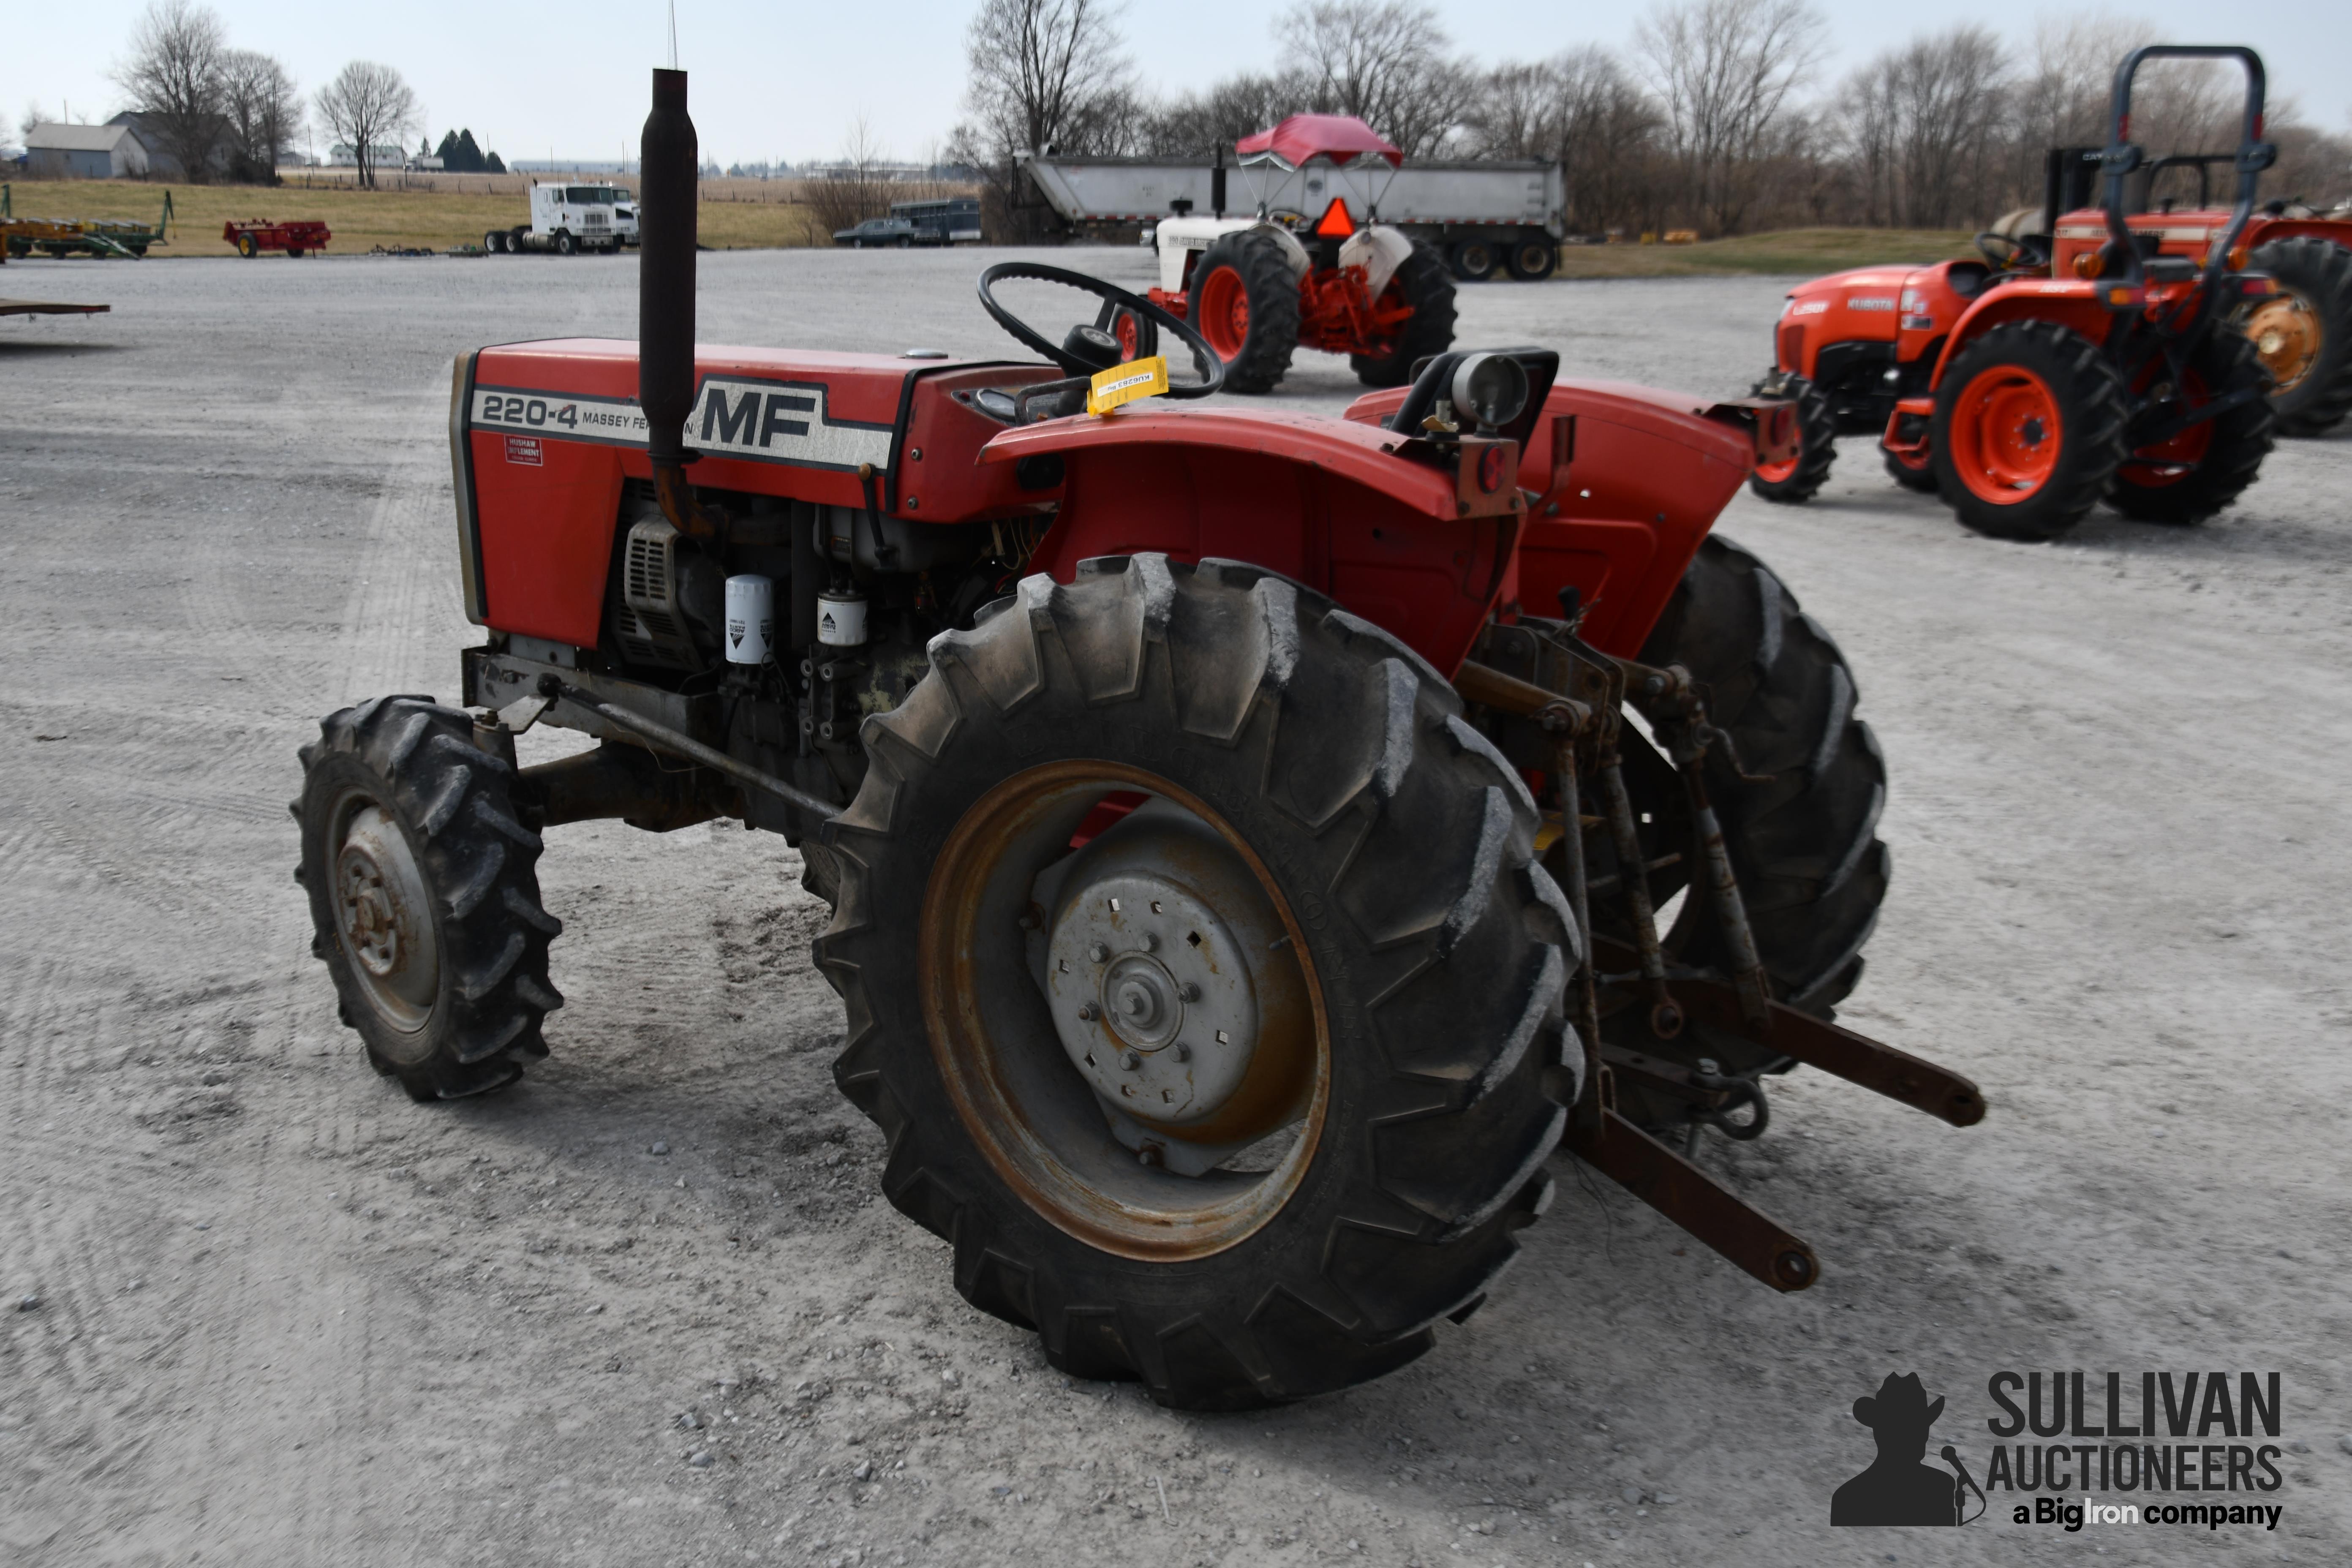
(1583, 111)
(857, 187)
(1239, 106)
(1384, 61)
(173, 79)
(1926, 123)
(1727, 71)
(367, 105)
(1046, 76)
(264, 111)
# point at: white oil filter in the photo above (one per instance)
(750, 617)
(841, 617)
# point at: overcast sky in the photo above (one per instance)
(786, 81)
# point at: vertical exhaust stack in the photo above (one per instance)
(669, 159)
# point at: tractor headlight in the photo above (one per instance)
(1490, 389)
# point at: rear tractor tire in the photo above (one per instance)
(1423, 283)
(2208, 466)
(1242, 1093)
(2303, 333)
(424, 894)
(1801, 478)
(1920, 475)
(1244, 301)
(2028, 429)
(1801, 826)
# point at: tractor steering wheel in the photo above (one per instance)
(2024, 253)
(1127, 327)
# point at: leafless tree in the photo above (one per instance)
(1585, 111)
(1926, 123)
(264, 111)
(173, 76)
(366, 106)
(1045, 76)
(1190, 126)
(1387, 62)
(1727, 71)
(857, 187)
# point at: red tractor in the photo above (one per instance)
(1239, 890)
(2302, 329)
(1306, 270)
(2025, 399)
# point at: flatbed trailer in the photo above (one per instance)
(49, 307)
(104, 237)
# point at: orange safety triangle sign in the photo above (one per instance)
(1335, 219)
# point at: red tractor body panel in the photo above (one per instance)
(2187, 232)
(1629, 481)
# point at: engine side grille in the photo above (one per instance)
(1792, 346)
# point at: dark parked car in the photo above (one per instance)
(891, 231)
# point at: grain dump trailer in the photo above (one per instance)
(1478, 215)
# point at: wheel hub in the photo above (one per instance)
(1150, 986)
(384, 916)
(2286, 336)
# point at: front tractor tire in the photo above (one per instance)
(423, 895)
(1424, 286)
(1244, 1092)
(1244, 301)
(2302, 332)
(1800, 479)
(2028, 430)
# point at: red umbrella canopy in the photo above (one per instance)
(1342, 138)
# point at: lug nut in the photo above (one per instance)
(1097, 951)
(1184, 1052)
(1130, 1060)
(1190, 992)
(1151, 942)
(1088, 1012)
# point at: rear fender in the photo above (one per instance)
(1628, 481)
(1323, 501)
(2072, 304)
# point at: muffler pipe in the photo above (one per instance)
(669, 158)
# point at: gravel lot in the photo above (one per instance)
(283, 1316)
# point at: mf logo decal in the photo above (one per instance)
(760, 421)
(780, 422)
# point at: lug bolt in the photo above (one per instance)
(1151, 941)
(1184, 1052)
(1190, 992)
(1130, 1060)
(1097, 951)
(1088, 1012)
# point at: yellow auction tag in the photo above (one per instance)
(1126, 383)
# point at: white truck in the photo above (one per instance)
(1482, 218)
(569, 218)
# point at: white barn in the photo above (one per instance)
(84, 152)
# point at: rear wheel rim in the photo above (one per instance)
(1776, 473)
(2287, 335)
(1223, 314)
(2006, 435)
(1130, 336)
(1012, 1056)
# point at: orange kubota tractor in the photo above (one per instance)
(1244, 872)
(2025, 398)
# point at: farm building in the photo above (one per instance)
(85, 153)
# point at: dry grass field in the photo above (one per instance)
(431, 212)
(437, 211)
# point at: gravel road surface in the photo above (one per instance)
(257, 1308)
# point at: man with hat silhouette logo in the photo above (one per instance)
(1898, 1488)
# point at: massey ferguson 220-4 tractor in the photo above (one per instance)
(1246, 868)
(2025, 397)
